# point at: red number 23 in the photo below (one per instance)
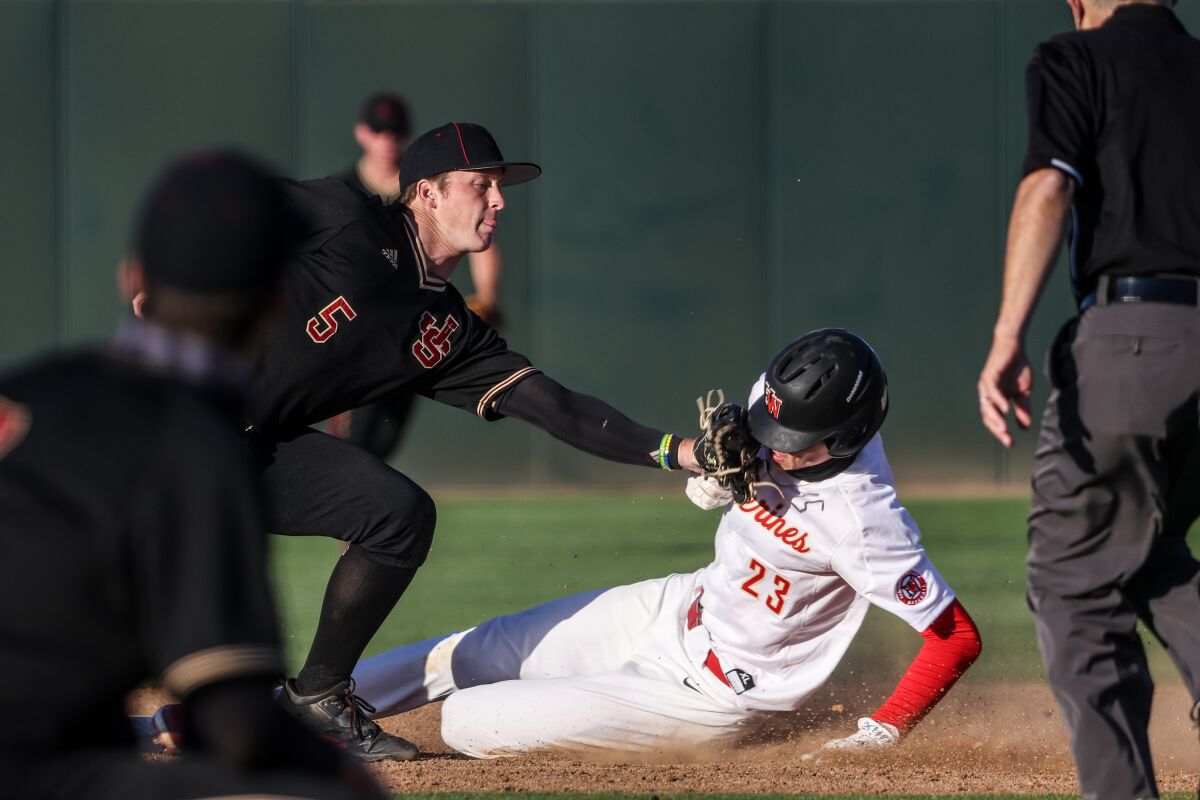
(774, 601)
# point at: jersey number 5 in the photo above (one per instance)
(774, 601)
(321, 334)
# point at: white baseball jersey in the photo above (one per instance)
(786, 593)
(685, 659)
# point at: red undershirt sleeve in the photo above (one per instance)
(952, 644)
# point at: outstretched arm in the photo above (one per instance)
(952, 644)
(1035, 232)
(485, 276)
(593, 426)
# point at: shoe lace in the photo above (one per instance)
(360, 711)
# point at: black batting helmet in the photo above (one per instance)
(827, 386)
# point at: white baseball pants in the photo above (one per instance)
(607, 670)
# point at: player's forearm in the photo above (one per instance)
(485, 275)
(1035, 232)
(952, 644)
(586, 423)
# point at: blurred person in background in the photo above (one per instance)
(1112, 159)
(134, 531)
(382, 132)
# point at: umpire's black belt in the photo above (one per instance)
(1143, 289)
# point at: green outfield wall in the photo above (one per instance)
(719, 177)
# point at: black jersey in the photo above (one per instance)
(1117, 109)
(365, 319)
(134, 547)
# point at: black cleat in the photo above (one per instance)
(341, 716)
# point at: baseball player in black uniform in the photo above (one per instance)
(134, 536)
(382, 131)
(370, 314)
(1113, 126)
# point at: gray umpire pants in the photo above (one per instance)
(1116, 485)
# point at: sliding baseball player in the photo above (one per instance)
(809, 538)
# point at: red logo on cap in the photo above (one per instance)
(911, 588)
(14, 424)
(774, 404)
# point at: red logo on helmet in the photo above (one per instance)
(774, 404)
(911, 588)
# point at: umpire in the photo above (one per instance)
(1114, 118)
(134, 537)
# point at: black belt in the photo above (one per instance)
(1147, 289)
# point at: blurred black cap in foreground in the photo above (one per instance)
(216, 222)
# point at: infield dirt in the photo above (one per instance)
(986, 738)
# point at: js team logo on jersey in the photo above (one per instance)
(774, 403)
(819, 505)
(911, 588)
(14, 424)
(325, 325)
(434, 342)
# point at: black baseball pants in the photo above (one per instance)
(319, 485)
(1116, 485)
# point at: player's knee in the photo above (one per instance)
(463, 731)
(401, 531)
(468, 728)
(494, 722)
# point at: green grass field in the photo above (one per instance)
(500, 554)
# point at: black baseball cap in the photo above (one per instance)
(216, 222)
(459, 146)
(386, 111)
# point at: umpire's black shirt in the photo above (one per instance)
(1118, 109)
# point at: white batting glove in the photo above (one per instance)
(871, 735)
(707, 493)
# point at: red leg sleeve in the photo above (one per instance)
(952, 644)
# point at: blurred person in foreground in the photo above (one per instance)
(1112, 157)
(136, 547)
(382, 132)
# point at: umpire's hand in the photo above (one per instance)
(1006, 381)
